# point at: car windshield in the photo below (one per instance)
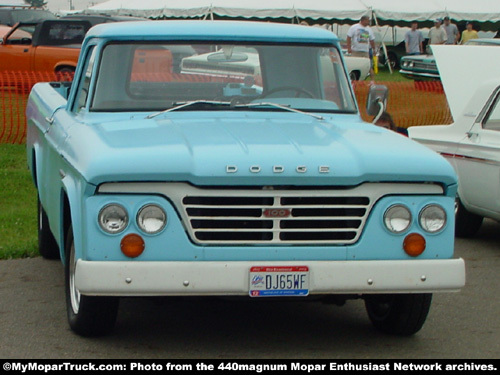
(157, 77)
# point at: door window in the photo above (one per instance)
(492, 119)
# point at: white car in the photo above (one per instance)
(472, 143)
(358, 67)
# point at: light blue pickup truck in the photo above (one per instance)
(246, 173)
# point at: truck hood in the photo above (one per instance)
(250, 148)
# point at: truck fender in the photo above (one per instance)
(71, 214)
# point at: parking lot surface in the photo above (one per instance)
(464, 325)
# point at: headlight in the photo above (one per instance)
(432, 218)
(113, 218)
(151, 219)
(397, 218)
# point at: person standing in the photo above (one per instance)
(451, 31)
(414, 40)
(437, 34)
(360, 39)
(469, 33)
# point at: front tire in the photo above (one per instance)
(393, 61)
(87, 315)
(467, 224)
(398, 314)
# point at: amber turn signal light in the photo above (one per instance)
(414, 244)
(132, 245)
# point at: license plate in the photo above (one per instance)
(279, 281)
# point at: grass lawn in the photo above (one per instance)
(18, 212)
(385, 76)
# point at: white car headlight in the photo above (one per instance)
(113, 218)
(397, 218)
(151, 219)
(432, 218)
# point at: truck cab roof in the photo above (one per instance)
(214, 30)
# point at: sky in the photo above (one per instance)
(56, 5)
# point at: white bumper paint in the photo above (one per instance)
(136, 278)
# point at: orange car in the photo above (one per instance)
(51, 46)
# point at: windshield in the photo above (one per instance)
(156, 77)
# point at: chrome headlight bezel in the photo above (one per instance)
(151, 218)
(397, 218)
(113, 218)
(433, 218)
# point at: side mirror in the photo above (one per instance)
(377, 99)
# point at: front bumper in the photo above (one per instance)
(137, 278)
(420, 75)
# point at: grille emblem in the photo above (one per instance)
(276, 212)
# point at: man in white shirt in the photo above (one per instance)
(437, 34)
(360, 39)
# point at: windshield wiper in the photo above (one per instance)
(281, 106)
(180, 105)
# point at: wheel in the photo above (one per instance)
(354, 75)
(399, 314)
(393, 60)
(466, 223)
(298, 90)
(65, 74)
(87, 315)
(47, 245)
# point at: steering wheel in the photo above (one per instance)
(298, 90)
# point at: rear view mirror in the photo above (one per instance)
(377, 99)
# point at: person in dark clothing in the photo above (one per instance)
(385, 120)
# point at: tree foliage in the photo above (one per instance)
(36, 3)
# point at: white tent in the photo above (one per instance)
(395, 12)
(426, 10)
(10, 3)
(315, 9)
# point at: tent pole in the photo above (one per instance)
(384, 48)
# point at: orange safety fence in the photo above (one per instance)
(15, 87)
(410, 103)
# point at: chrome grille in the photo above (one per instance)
(426, 66)
(275, 218)
(236, 216)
